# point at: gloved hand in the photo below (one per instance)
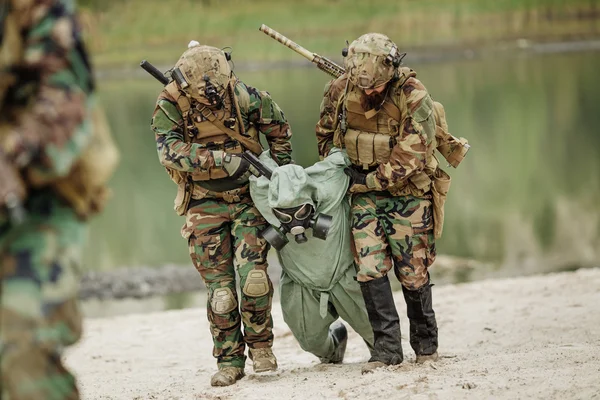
(236, 166)
(356, 178)
(358, 181)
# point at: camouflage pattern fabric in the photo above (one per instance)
(39, 260)
(394, 232)
(39, 317)
(260, 112)
(414, 146)
(223, 237)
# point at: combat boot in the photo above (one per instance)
(263, 359)
(227, 376)
(423, 326)
(387, 346)
(339, 333)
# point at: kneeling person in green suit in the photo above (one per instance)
(318, 280)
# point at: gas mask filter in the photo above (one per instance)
(296, 220)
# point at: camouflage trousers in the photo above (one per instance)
(394, 232)
(39, 316)
(223, 237)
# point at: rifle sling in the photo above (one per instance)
(251, 145)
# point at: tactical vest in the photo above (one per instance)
(84, 188)
(215, 130)
(370, 136)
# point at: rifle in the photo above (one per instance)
(167, 77)
(453, 149)
(257, 168)
(12, 192)
(324, 64)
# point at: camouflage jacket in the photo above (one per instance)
(262, 113)
(44, 110)
(413, 151)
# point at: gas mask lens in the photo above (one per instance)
(296, 220)
(287, 215)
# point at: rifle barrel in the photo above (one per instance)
(287, 42)
(324, 64)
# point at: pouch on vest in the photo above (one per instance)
(367, 149)
(439, 190)
(453, 149)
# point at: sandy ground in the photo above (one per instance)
(535, 337)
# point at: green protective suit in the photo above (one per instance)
(318, 280)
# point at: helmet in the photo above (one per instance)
(203, 66)
(372, 60)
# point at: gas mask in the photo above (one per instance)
(296, 220)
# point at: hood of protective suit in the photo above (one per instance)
(318, 264)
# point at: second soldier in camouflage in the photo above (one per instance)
(203, 120)
(384, 118)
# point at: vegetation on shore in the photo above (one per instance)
(122, 32)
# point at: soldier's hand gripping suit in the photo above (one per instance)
(45, 194)
(385, 119)
(317, 282)
(202, 120)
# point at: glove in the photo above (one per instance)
(358, 181)
(236, 166)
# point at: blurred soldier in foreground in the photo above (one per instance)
(317, 283)
(387, 122)
(203, 120)
(53, 167)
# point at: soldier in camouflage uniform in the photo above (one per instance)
(383, 116)
(203, 120)
(45, 88)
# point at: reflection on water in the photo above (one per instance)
(526, 199)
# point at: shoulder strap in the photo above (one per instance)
(250, 144)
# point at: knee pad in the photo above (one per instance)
(222, 301)
(257, 284)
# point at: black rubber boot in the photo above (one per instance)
(384, 321)
(340, 338)
(423, 327)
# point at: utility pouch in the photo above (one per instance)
(439, 190)
(367, 149)
(454, 150)
(184, 195)
(421, 181)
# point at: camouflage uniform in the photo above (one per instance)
(392, 201)
(43, 132)
(222, 226)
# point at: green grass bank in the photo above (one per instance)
(122, 32)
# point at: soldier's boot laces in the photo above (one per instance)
(263, 359)
(227, 376)
(381, 309)
(423, 326)
(339, 334)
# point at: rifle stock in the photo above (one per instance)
(257, 168)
